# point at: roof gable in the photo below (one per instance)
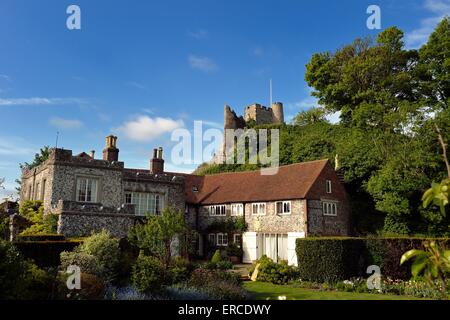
(290, 182)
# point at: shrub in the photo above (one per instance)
(218, 284)
(105, 249)
(12, 271)
(224, 265)
(86, 262)
(21, 279)
(42, 224)
(92, 288)
(277, 273)
(180, 270)
(328, 259)
(335, 259)
(217, 257)
(233, 250)
(386, 253)
(148, 274)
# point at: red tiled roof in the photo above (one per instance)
(291, 182)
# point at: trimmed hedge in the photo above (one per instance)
(41, 237)
(328, 259)
(45, 253)
(340, 258)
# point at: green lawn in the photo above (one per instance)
(268, 291)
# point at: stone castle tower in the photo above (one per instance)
(256, 113)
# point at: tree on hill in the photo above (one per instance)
(391, 99)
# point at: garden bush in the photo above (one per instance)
(20, 278)
(180, 270)
(148, 274)
(12, 271)
(329, 259)
(92, 287)
(86, 262)
(106, 251)
(339, 258)
(218, 284)
(276, 273)
(386, 253)
(42, 224)
(217, 257)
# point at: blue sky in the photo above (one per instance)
(139, 69)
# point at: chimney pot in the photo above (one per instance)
(157, 162)
(111, 153)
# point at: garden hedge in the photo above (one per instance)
(41, 237)
(339, 258)
(45, 253)
(328, 259)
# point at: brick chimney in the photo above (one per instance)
(157, 162)
(111, 153)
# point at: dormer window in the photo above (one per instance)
(194, 189)
(328, 186)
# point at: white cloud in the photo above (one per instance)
(36, 101)
(136, 85)
(439, 9)
(199, 34)
(144, 128)
(65, 123)
(258, 51)
(204, 64)
(5, 77)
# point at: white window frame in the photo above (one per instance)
(283, 206)
(329, 208)
(222, 239)
(237, 209)
(328, 186)
(237, 242)
(93, 187)
(220, 209)
(157, 206)
(259, 205)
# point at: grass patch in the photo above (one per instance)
(268, 291)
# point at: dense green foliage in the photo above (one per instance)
(21, 278)
(163, 235)
(390, 100)
(328, 259)
(336, 259)
(98, 254)
(42, 224)
(273, 272)
(218, 284)
(148, 274)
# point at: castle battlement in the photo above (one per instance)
(256, 112)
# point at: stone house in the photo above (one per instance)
(91, 194)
